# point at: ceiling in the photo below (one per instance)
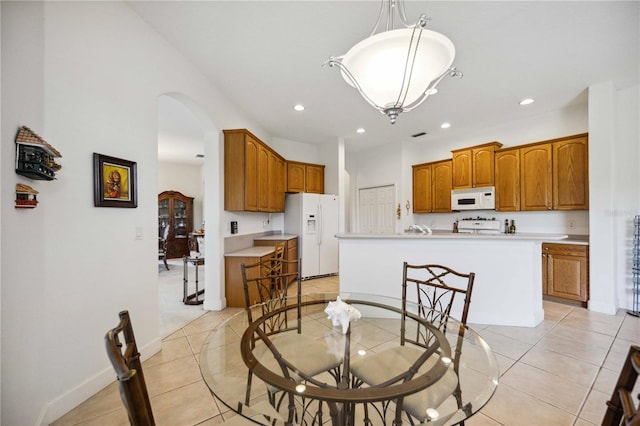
(267, 56)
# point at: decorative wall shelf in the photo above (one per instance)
(26, 197)
(35, 158)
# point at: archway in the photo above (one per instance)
(206, 133)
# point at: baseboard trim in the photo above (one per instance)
(69, 400)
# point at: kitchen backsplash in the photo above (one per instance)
(562, 222)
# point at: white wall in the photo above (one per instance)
(86, 76)
(186, 179)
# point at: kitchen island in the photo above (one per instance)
(508, 268)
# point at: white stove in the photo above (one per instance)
(479, 226)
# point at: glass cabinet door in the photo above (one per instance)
(180, 218)
(163, 215)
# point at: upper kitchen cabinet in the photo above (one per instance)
(422, 188)
(254, 174)
(305, 177)
(571, 173)
(432, 187)
(549, 175)
(507, 180)
(175, 210)
(474, 167)
(536, 180)
(442, 172)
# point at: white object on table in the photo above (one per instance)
(341, 313)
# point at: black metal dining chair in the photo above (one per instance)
(267, 284)
(435, 289)
(125, 358)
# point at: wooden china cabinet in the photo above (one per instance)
(175, 210)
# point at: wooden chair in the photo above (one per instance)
(620, 408)
(267, 283)
(162, 246)
(123, 354)
(435, 288)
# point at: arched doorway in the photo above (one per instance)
(184, 132)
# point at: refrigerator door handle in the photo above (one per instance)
(320, 224)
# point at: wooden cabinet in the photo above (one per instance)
(254, 175)
(549, 175)
(571, 173)
(290, 249)
(565, 269)
(305, 177)
(233, 287)
(422, 187)
(474, 167)
(536, 180)
(507, 180)
(176, 211)
(432, 187)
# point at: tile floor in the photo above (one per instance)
(558, 373)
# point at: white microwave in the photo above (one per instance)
(474, 199)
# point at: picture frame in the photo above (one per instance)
(114, 182)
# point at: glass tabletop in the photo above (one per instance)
(262, 377)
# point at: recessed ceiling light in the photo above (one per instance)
(299, 107)
(361, 130)
(526, 101)
(432, 91)
(445, 125)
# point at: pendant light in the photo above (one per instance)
(395, 70)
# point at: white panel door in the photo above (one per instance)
(377, 210)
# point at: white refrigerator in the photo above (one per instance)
(314, 218)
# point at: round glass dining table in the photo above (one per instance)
(254, 374)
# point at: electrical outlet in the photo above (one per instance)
(572, 224)
(138, 232)
(265, 223)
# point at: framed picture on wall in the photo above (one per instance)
(114, 182)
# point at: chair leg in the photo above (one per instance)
(166, 265)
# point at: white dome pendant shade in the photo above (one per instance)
(396, 70)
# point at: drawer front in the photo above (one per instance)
(565, 249)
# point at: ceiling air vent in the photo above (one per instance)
(417, 135)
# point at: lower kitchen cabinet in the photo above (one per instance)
(290, 249)
(233, 287)
(565, 271)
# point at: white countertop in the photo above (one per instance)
(276, 237)
(255, 251)
(439, 235)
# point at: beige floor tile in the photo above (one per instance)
(606, 380)
(480, 419)
(114, 418)
(172, 375)
(573, 349)
(577, 371)
(590, 338)
(630, 329)
(548, 387)
(171, 349)
(593, 321)
(175, 335)
(594, 407)
(187, 405)
(530, 335)
(509, 406)
(504, 345)
(104, 402)
(583, 422)
(206, 322)
(196, 341)
(504, 363)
